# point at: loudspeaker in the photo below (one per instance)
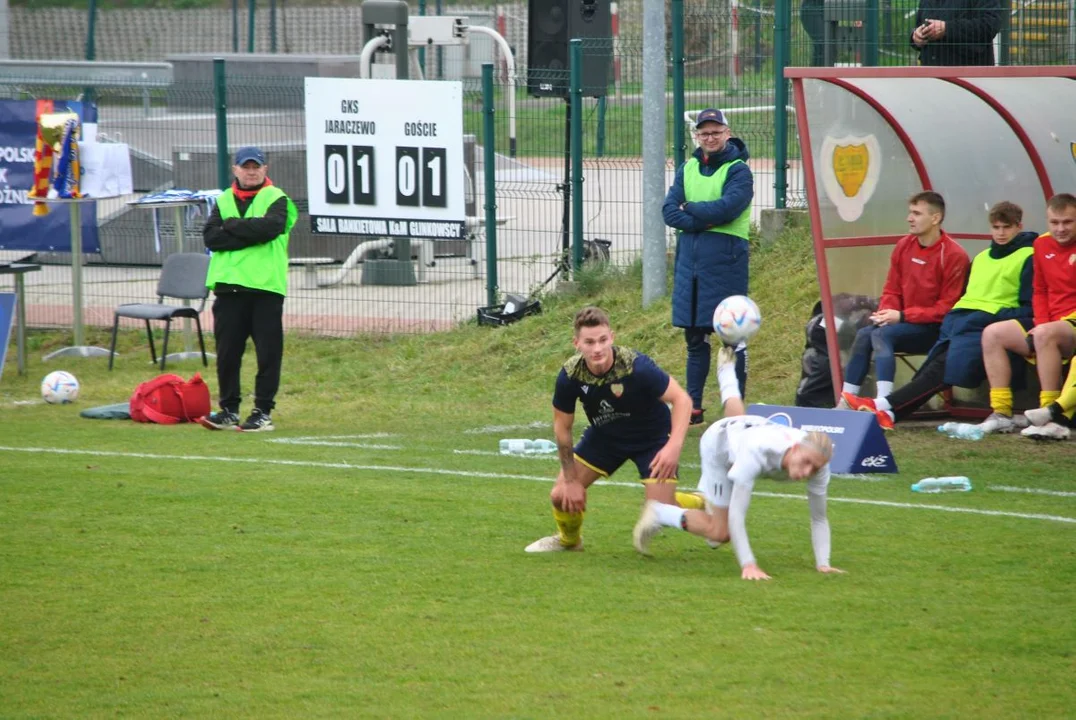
(551, 24)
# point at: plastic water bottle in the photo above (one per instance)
(957, 483)
(962, 431)
(514, 446)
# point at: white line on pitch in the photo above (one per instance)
(1032, 491)
(498, 476)
(304, 438)
(336, 443)
(502, 428)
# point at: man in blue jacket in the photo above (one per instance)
(710, 204)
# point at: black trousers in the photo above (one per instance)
(928, 381)
(236, 317)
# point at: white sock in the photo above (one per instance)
(730, 384)
(884, 388)
(670, 515)
(882, 404)
(850, 388)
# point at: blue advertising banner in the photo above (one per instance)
(20, 229)
(7, 317)
(859, 444)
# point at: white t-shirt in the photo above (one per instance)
(737, 450)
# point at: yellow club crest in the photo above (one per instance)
(1072, 149)
(849, 168)
(617, 388)
(850, 165)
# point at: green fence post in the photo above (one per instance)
(782, 19)
(439, 10)
(250, 25)
(1005, 39)
(91, 44)
(599, 140)
(220, 94)
(575, 77)
(676, 10)
(870, 29)
(489, 171)
(422, 50)
(235, 26)
(272, 26)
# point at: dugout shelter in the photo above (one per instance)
(871, 138)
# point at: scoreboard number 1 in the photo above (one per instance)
(421, 176)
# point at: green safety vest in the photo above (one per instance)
(259, 267)
(699, 188)
(994, 284)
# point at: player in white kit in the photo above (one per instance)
(735, 451)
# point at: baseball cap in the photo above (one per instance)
(250, 152)
(710, 115)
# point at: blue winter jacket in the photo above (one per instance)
(963, 329)
(709, 266)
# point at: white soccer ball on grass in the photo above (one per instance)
(59, 388)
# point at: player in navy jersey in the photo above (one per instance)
(626, 397)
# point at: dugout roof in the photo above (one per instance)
(872, 137)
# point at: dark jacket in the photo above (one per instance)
(970, 27)
(963, 329)
(709, 266)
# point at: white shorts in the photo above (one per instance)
(714, 484)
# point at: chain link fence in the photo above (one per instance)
(168, 119)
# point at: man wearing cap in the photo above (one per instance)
(248, 235)
(710, 204)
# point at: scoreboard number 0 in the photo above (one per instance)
(421, 176)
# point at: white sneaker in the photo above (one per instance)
(997, 423)
(646, 528)
(552, 544)
(1049, 431)
(1038, 416)
(726, 356)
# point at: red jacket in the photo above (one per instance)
(925, 283)
(1054, 287)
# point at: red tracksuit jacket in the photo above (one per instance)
(925, 283)
(1054, 287)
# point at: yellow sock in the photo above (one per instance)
(569, 525)
(1001, 401)
(1067, 398)
(1048, 396)
(691, 501)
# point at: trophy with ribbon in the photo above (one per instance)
(56, 161)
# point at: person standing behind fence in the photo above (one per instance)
(710, 204)
(957, 32)
(248, 273)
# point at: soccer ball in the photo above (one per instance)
(736, 319)
(59, 388)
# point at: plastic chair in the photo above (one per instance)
(183, 276)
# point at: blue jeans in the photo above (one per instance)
(698, 364)
(882, 343)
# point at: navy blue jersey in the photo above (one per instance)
(625, 401)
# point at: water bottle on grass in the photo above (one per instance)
(962, 431)
(957, 483)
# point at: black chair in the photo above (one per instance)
(183, 276)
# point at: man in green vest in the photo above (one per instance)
(247, 233)
(709, 202)
(999, 288)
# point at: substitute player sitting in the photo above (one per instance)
(735, 451)
(626, 397)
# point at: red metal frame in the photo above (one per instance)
(943, 73)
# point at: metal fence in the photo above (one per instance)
(163, 108)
